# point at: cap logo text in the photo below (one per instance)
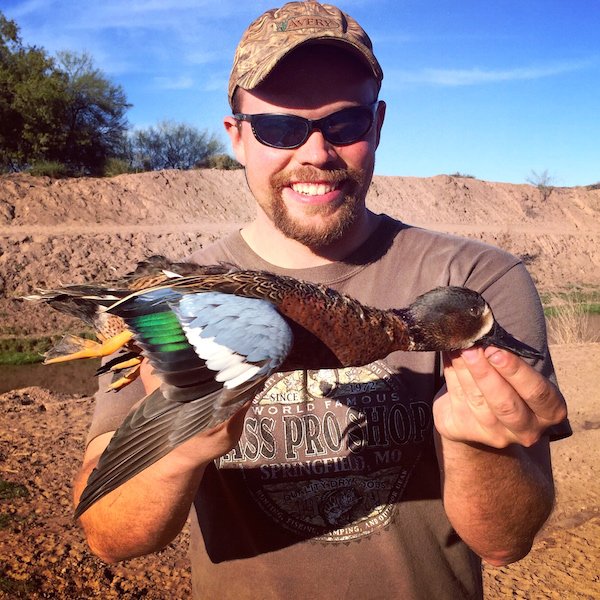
(305, 22)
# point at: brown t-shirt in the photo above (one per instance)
(333, 490)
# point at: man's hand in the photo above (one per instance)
(495, 398)
(494, 459)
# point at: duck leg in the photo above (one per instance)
(126, 378)
(73, 348)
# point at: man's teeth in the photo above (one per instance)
(312, 189)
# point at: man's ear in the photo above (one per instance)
(234, 131)
(379, 118)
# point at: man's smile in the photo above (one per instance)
(314, 192)
(313, 189)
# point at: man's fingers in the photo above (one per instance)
(494, 402)
(542, 397)
(464, 390)
(496, 398)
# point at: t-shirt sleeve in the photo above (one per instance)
(111, 407)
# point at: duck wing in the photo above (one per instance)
(212, 352)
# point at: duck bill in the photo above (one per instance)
(500, 338)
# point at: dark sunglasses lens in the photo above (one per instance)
(348, 125)
(280, 131)
(289, 131)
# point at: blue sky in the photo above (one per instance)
(495, 89)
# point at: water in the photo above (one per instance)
(75, 377)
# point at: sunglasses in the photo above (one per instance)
(284, 131)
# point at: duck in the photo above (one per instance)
(215, 334)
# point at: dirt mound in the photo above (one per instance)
(190, 197)
(156, 198)
(74, 230)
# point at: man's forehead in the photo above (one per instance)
(314, 58)
(297, 97)
(316, 74)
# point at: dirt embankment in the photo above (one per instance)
(54, 232)
(73, 230)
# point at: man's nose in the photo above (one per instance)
(316, 150)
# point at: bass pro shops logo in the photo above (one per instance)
(327, 454)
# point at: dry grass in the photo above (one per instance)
(569, 320)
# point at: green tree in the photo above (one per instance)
(172, 145)
(31, 101)
(94, 119)
(63, 111)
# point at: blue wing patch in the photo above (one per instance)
(241, 338)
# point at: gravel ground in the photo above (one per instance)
(43, 555)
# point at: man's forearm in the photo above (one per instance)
(497, 499)
(144, 514)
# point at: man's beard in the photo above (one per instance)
(339, 216)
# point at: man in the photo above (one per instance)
(385, 481)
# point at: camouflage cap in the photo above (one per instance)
(278, 31)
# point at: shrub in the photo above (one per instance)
(543, 182)
(172, 145)
(117, 166)
(49, 168)
(221, 161)
(569, 319)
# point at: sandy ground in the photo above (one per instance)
(43, 554)
(70, 231)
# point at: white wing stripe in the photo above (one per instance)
(231, 367)
(251, 371)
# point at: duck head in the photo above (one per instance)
(455, 318)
